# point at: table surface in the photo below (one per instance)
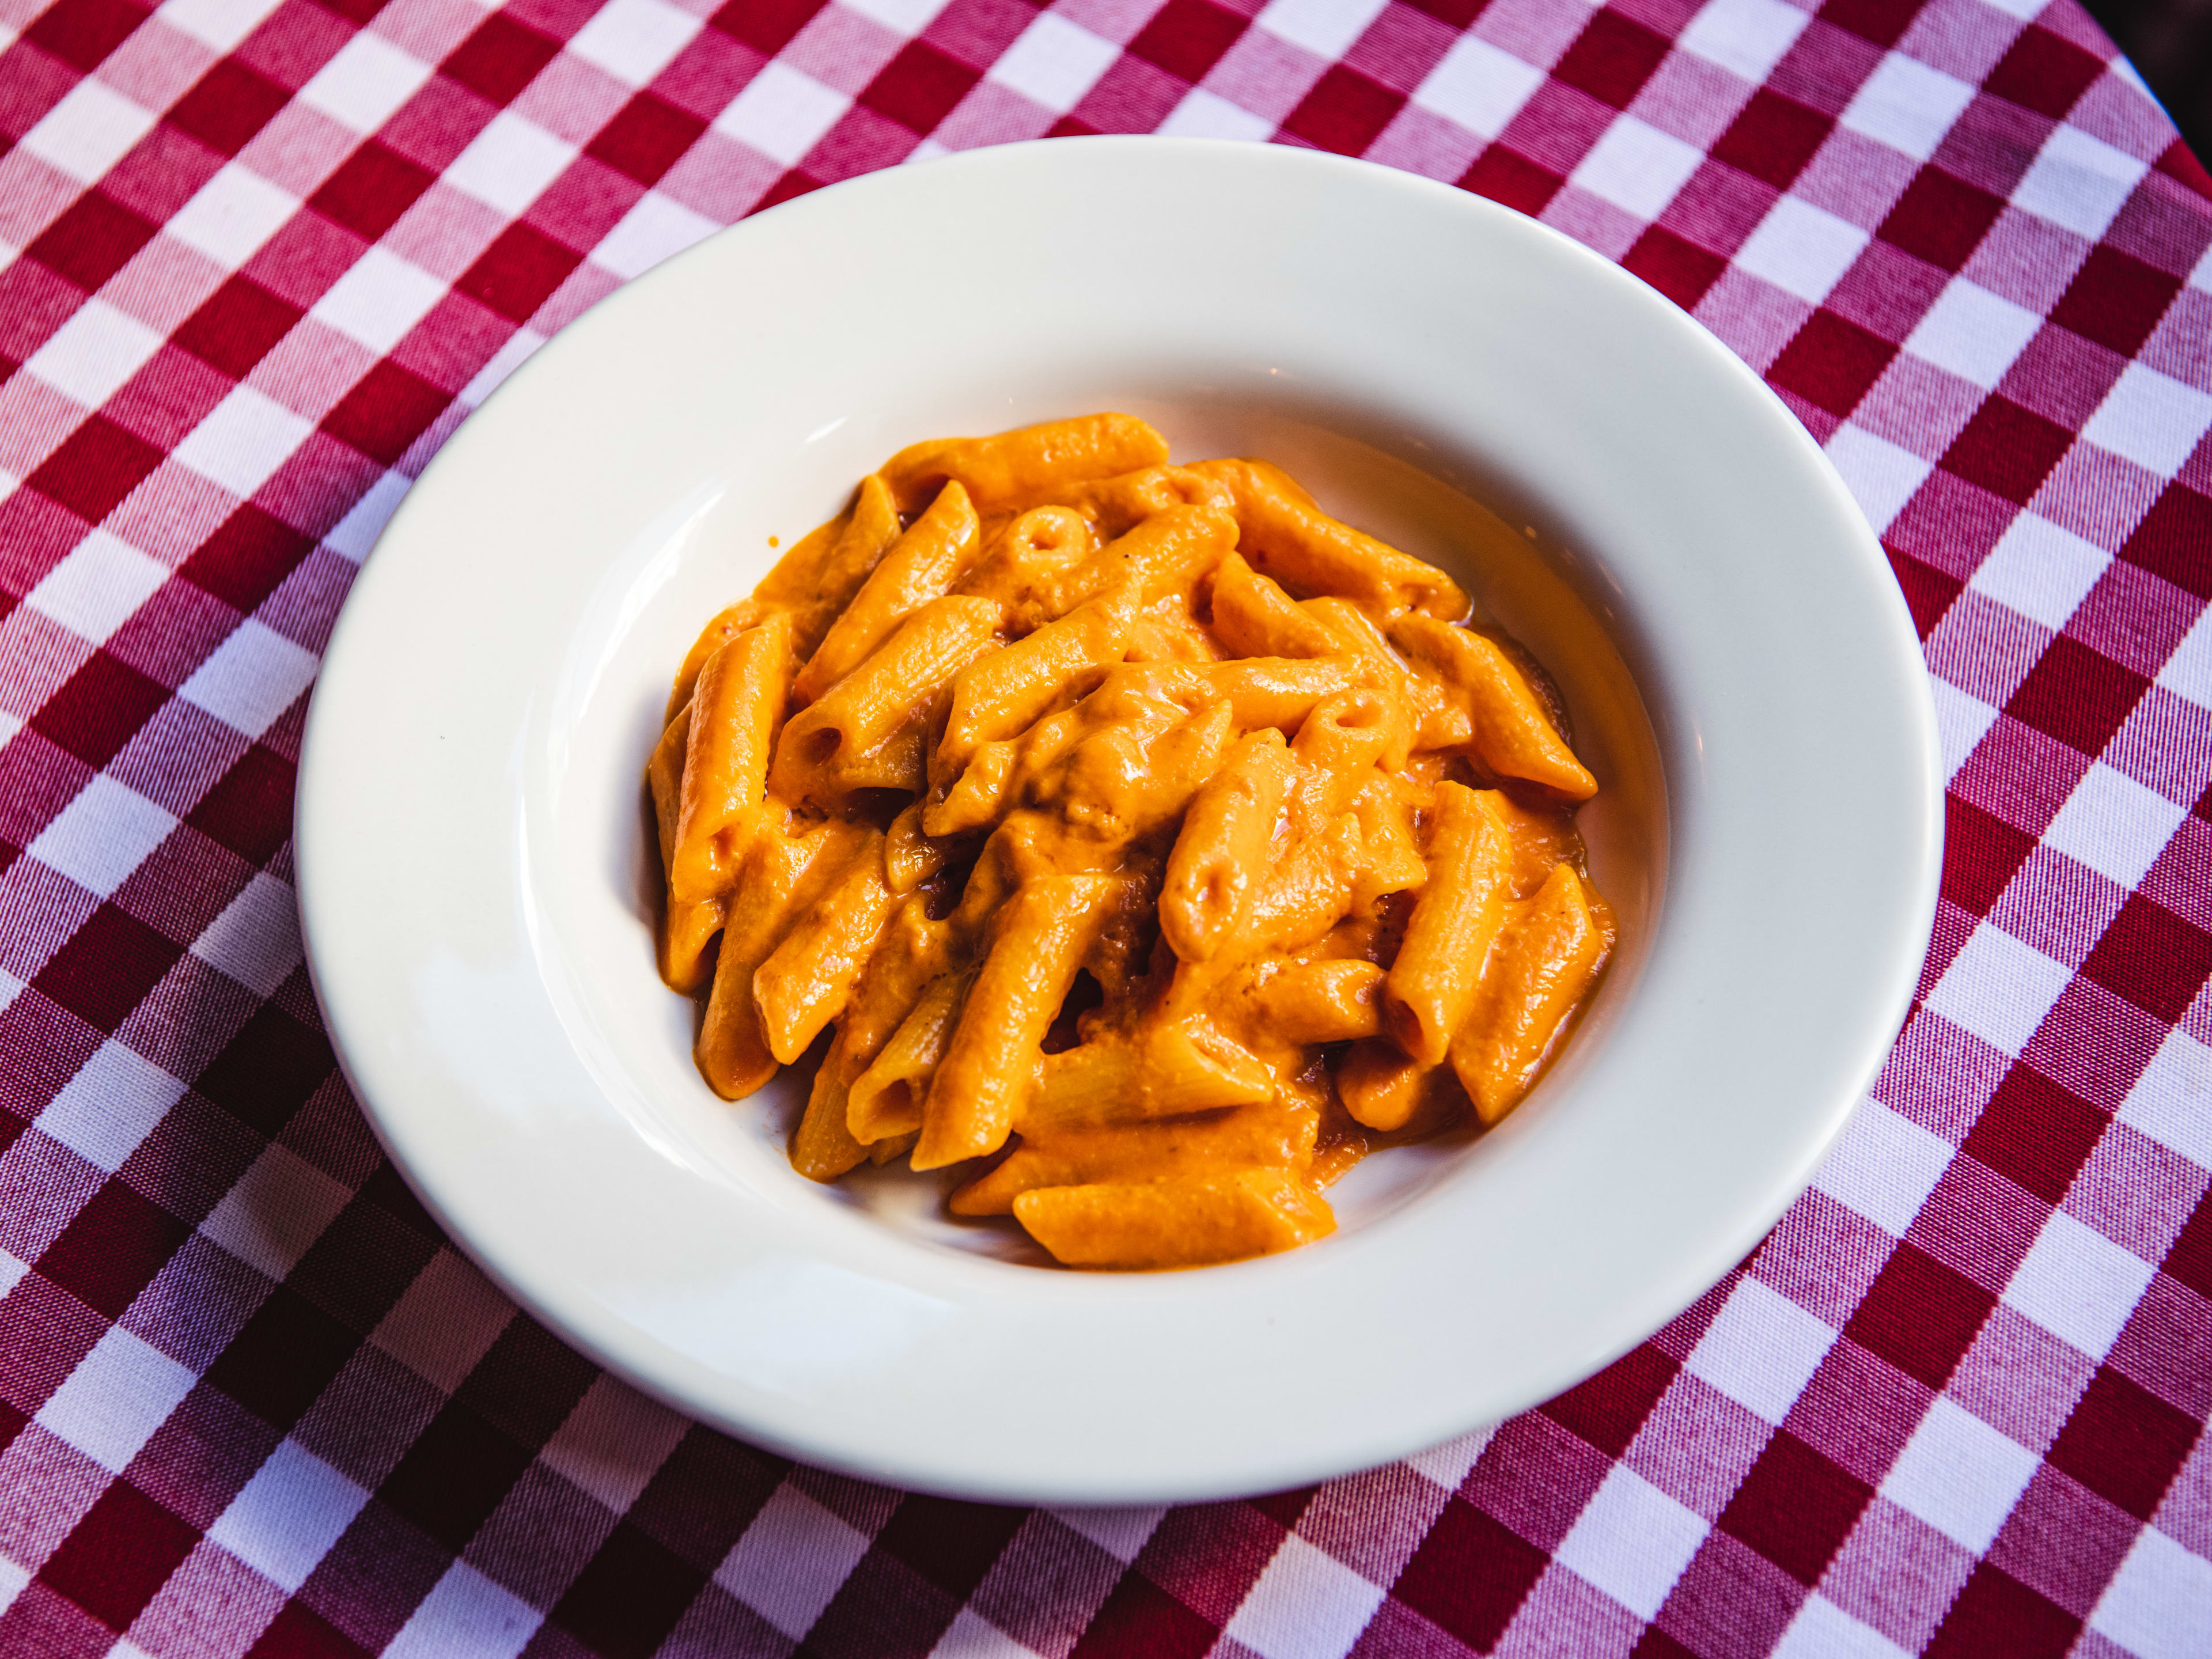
(258, 257)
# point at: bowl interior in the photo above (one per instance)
(596, 891)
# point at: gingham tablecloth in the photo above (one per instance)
(257, 259)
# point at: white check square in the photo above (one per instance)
(1999, 989)
(1203, 114)
(2079, 182)
(1802, 249)
(782, 113)
(613, 1442)
(88, 131)
(1119, 1531)
(1761, 1350)
(116, 1099)
(218, 23)
(2159, 1604)
(633, 41)
(352, 537)
(656, 229)
(91, 356)
(365, 84)
(2077, 1284)
(509, 164)
(286, 1519)
(109, 1407)
(791, 1560)
(1959, 1475)
(250, 678)
(242, 441)
(2156, 422)
(1973, 333)
(1882, 476)
(1633, 1541)
(1907, 105)
(2172, 1101)
(102, 836)
(1478, 87)
(1884, 1167)
(466, 1613)
(1305, 1605)
(2114, 826)
(275, 1211)
(97, 586)
(1962, 720)
(1746, 37)
(2040, 569)
(1637, 167)
(1326, 29)
(900, 16)
(380, 297)
(2188, 672)
(1822, 1629)
(256, 939)
(1054, 62)
(232, 215)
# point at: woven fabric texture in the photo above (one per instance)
(258, 257)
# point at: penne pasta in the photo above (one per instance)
(1543, 970)
(992, 1057)
(920, 565)
(1431, 987)
(735, 711)
(1509, 731)
(1034, 461)
(806, 978)
(1175, 1223)
(1117, 832)
(1223, 848)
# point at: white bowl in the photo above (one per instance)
(476, 869)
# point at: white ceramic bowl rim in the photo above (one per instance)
(1679, 498)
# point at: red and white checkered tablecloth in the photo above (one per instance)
(256, 258)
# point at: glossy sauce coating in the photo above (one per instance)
(1146, 846)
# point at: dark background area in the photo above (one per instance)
(2170, 41)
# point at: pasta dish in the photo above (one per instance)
(1133, 840)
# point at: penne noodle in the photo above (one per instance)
(664, 777)
(920, 565)
(1222, 851)
(818, 581)
(1383, 1088)
(1115, 505)
(1437, 722)
(884, 694)
(1283, 533)
(910, 857)
(734, 714)
(886, 1099)
(1253, 617)
(1175, 1223)
(1278, 691)
(1166, 552)
(1542, 970)
(1041, 940)
(822, 1149)
(806, 979)
(999, 695)
(1309, 1002)
(784, 875)
(1009, 469)
(1270, 1135)
(1510, 733)
(681, 944)
(1431, 987)
(731, 621)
